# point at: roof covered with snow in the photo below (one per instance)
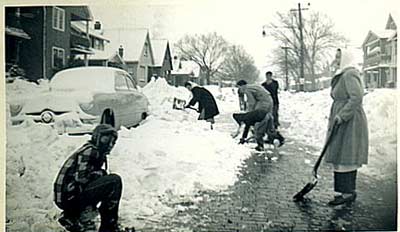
(187, 67)
(132, 40)
(160, 47)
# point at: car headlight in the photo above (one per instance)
(15, 109)
(86, 107)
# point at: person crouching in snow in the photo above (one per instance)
(82, 183)
(259, 105)
(207, 106)
(348, 149)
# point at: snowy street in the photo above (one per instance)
(178, 175)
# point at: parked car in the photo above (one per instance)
(80, 98)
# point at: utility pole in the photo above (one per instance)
(299, 9)
(286, 68)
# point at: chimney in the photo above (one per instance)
(121, 51)
(97, 25)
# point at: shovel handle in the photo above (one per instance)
(328, 141)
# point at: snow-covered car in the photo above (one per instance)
(80, 98)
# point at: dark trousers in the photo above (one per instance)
(107, 190)
(256, 118)
(345, 182)
(275, 110)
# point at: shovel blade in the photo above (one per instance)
(306, 189)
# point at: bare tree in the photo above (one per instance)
(238, 65)
(206, 50)
(319, 39)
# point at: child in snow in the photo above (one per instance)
(82, 183)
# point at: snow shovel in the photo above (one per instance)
(178, 104)
(310, 185)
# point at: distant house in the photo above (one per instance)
(134, 47)
(380, 56)
(40, 40)
(183, 71)
(162, 58)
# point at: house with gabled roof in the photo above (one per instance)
(380, 56)
(183, 71)
(162, 58)
(134, 47)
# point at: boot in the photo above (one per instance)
(86, 219)
(71, 224)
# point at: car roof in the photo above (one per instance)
(100, 78)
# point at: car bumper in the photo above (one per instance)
(62, 125)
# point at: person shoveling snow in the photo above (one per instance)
(208, 108)
(259, 105)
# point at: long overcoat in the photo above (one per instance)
(206, 101)
(349, 145)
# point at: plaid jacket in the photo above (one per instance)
(83, 166)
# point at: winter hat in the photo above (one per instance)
(103, 129)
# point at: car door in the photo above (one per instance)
(124, 98)
(137, 100)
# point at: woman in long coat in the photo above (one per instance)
(348, 149)
(207, 106)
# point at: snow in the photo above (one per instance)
(171, 154)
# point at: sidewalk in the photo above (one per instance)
(261, 200)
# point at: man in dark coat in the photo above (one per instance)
(207, 106)
(272, 86)
(82, 184)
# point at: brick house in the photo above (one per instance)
(380, 56)
(162, 58)
(51, 42)
(135, 48)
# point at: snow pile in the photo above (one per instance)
(171, 153)
(226, 98)
(20, 89)
(307, 115)
(161, 95)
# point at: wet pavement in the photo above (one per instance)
(261, 199)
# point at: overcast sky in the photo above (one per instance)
(241, 21)
(238, 21)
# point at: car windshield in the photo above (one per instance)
(98, 80)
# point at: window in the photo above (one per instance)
(58, 58)
(145, 53)
(142, 73)
(131, 86)
(58, 18)
(130, 70)
(98, 44)
(120, 82)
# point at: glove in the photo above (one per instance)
(242, 141)
(96, 174)
(338, 120)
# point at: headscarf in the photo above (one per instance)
(347, 60)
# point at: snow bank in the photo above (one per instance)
(171, 154)
(307, 115)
